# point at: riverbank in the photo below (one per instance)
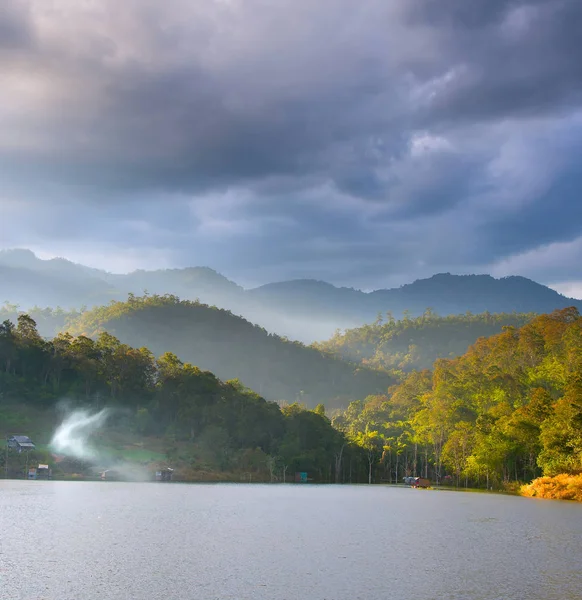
(560, 487)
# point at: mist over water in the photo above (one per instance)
(73, 434)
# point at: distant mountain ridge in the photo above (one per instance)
(305, 310)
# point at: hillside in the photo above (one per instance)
(27, 288)
(218, 341)
(416, 343)
(503, 413)
(129, 411)
(305, 310)
(506, 411)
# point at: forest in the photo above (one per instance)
(506, 411)
(503, 413)
(219, 341)
(415, 343)
(280, 369)
(199, 422)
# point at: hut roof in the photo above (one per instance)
(21, 439)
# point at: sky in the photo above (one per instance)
(363, 143)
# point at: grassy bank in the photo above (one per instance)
(560, 487)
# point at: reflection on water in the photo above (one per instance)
(80, 541)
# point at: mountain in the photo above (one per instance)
(218, 341)
(29, 287)
(305, 310)
(179, 282)
(448, 294)
(443, 293)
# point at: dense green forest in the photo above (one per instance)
(508, 410)
(416, 343)
(195, 420)
(216, 340)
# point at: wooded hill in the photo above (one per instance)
(200, 422)
(509, 409)
(416, 343)
(218, 341)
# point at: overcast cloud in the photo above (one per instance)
(364, 143)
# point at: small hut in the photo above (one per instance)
(20, 443)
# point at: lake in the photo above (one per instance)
(107, 540)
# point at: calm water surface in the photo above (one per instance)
(81, 541)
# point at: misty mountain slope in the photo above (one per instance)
(218, 341)
(302, 295)
(417, 343)
(88, 286)
(455, 294)
(20, 258)
(307, 310)
(28, 288)
(205, 282)
(443, 293)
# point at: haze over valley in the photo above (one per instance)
(304, 310)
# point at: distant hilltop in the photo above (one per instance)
(305, 309)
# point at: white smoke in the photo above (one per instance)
(72, 438)
(72, 435)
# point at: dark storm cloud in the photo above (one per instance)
(333, 137)
(516, 58)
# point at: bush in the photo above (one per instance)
(560, 487)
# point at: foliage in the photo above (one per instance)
(416, 343)
(509, 409)
(205, 423)
(560, 487)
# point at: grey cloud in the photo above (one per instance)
(555, 216)
(467, 15)
(127, 117)
(519, 63)
(185, 124)
(15, 29)
(203, 117)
